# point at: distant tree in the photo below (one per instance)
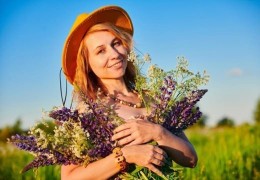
(202, 121)
(225, 122)
(8, 131)
(5, 133)
(17, 127)
(257, 112)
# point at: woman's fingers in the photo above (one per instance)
(159, 159)
(134, 142)
(145, 155)
(157, 162)
(160, 151)
(140, 132)
(127, 125)
(121, 128)
(154, 169)
(157, 156)
(125, 140)
(121, 134)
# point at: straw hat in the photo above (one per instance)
(113, 14)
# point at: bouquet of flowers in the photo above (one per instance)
(83, 137)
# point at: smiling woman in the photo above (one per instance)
(95, 60)
(124, 124)
(106, 54)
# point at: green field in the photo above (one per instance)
(224, 153)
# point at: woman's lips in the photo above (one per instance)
(118, 64)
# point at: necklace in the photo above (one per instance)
(135, 105)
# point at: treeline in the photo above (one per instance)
(8, 131)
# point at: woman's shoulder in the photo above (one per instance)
(78, 103)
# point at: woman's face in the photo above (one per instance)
(106, 55)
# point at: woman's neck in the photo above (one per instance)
(116, 86)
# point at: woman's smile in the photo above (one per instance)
(118, 64)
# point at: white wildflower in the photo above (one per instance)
(147, 58)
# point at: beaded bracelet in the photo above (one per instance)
(120, 159)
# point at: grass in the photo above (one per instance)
(13, 160)
(224, 153)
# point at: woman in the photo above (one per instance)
(95, 57)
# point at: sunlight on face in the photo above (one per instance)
(106, 55)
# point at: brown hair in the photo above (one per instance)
(85, 79)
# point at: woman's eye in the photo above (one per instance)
(117, 43)
(100, 51)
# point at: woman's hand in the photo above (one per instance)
(145, 155)
(138, 131)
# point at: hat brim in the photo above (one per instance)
(112, 14)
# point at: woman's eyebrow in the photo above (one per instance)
(99, 46)
(102, 45)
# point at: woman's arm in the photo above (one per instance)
(144, 155)
(142, 131)
(177, 147)
(101, 169)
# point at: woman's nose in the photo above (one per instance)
(113, 52)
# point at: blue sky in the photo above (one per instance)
(222, 37)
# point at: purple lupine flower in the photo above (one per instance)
(100, 129)
(166, 91)
(183, 113)
(44, 156)
(101, 150)
(51, 158)
(100, 133)
(162, 99)
(64, 114)
(27, 143)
